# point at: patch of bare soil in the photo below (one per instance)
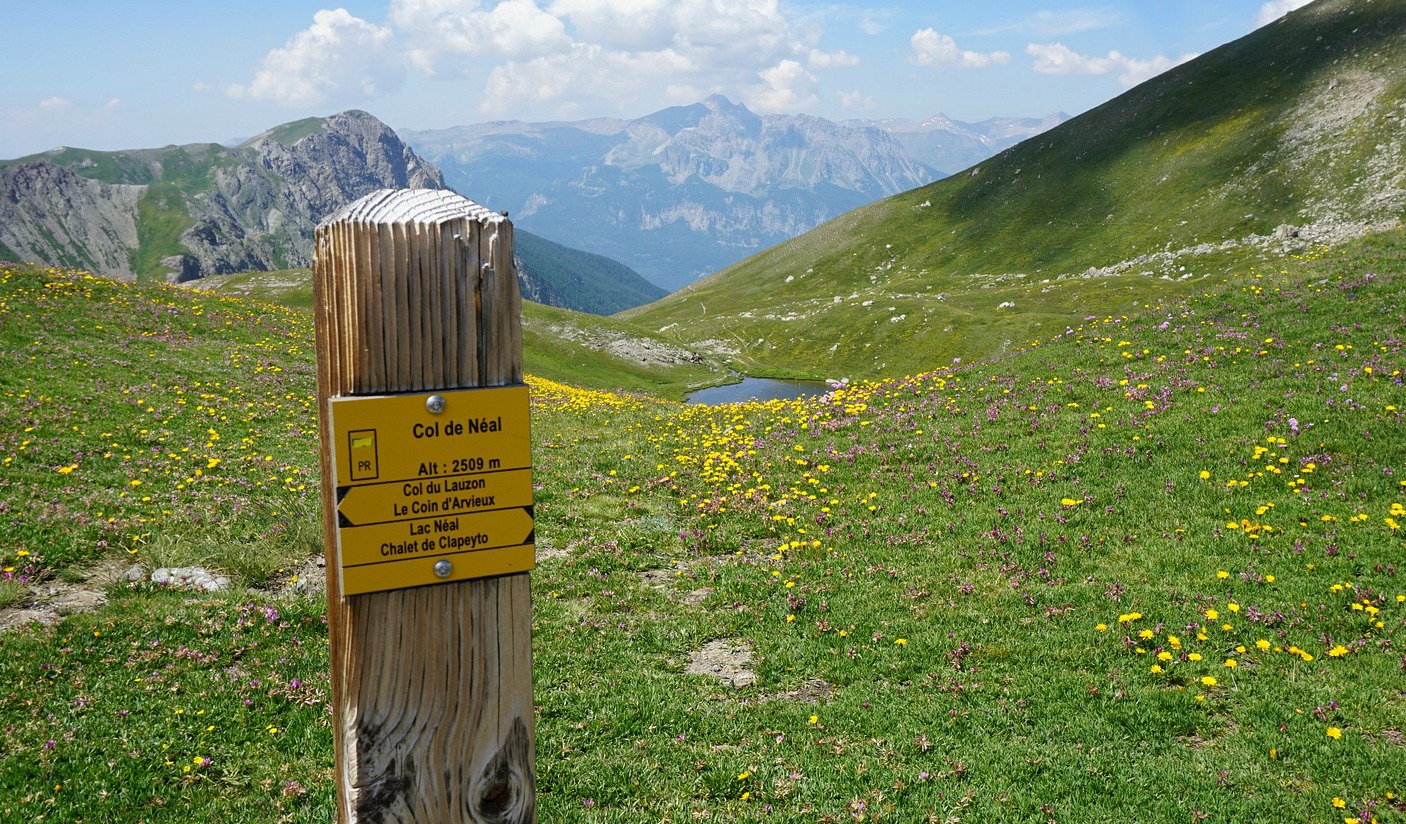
(726, 660)
(50, 601)
(696, 597)
(1197, 742)
(308, 580)
(660, 580)
(813, 691)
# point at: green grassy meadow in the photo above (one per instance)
(558, 344)
(1147, 567)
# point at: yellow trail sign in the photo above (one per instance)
(425, 476)
(419, 366)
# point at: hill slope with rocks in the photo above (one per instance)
(1286, 140)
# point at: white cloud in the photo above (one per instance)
(556, 56)
(1057, 58)
(454, 36)
(732, 27)
(933, 49)
(871, 25)
(1058, 23)
(1276, 9)
(857, 101)
(625, 50)
(832, 60)
(786, 87)
(586, 79)
(54, 104)
(338, 57)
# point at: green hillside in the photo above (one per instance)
(1187, 175)
(290, 133)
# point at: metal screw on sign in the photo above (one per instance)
(435, 404)
(443, 569)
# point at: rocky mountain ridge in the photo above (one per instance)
(184, 212)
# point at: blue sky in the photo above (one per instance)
(141, 73)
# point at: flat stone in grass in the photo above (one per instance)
(729, 661)
(813, 691)
(197, 578)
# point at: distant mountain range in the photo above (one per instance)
(184, 212)
(688, 190)
(675, 195)
(952, 145)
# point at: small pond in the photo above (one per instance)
(761, 389)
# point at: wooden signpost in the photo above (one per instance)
(427, 499)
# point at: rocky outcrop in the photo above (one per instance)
(260, 213)
(353, 154)
(192, 211)
(49, 214)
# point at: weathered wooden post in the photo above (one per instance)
(427, 497)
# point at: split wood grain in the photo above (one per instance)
(431, 686)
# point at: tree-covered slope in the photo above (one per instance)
(573, 279)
